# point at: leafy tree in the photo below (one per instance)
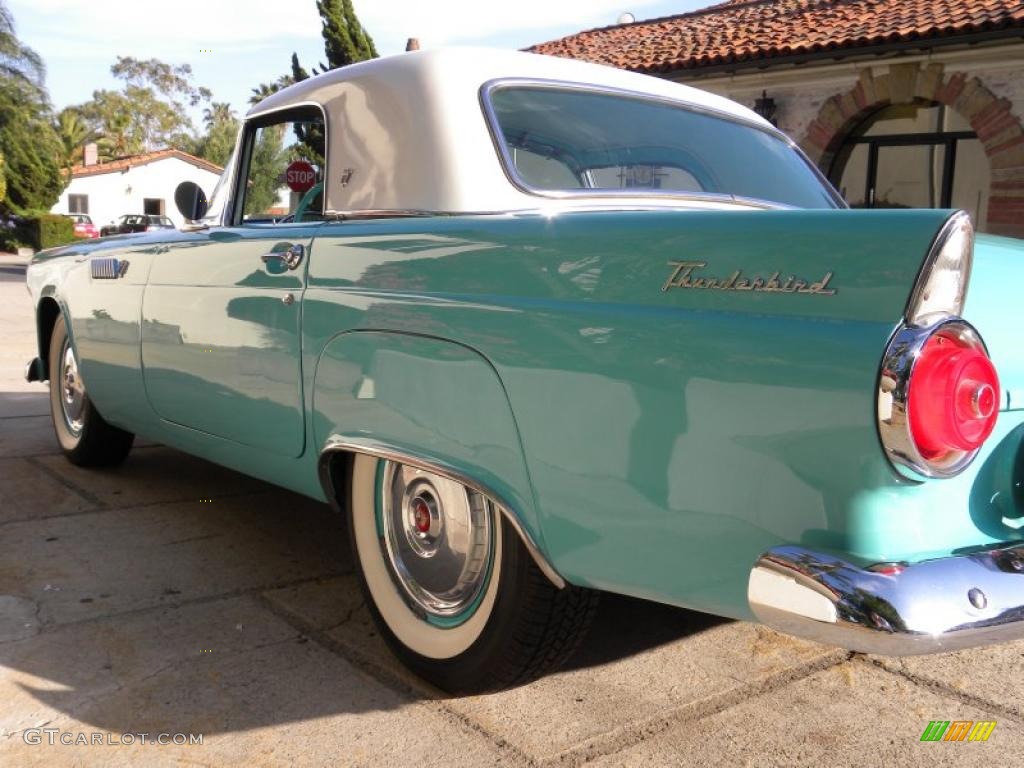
(3, 181)
(28, 141)
(174, 82)
(31, 151)
(265, 168)
(151, 110)
(17, 61)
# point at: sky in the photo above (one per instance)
(233, 45)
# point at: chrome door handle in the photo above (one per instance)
(290, 258)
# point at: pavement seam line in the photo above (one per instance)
(59, 478)
(948, 691)
(423, 695)
(633, 734)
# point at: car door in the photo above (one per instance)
(221, 315)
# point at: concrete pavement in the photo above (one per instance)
(173, 596)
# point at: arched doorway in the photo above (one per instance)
(917, 155)
(910, 134)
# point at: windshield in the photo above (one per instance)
(560, 140)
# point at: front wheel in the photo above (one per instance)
(451, 586)
(84, 437)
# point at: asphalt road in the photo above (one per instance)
(173, 596)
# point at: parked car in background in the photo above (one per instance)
(136, 223)
(131, 222)
(154, 223)
(541, 329)
(84, 227)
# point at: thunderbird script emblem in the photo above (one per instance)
(689, 274)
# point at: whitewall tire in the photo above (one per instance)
(84, 437)
(451, 586)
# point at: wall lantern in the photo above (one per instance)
(766, 107)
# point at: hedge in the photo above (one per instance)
(48, 230)
(36, 230)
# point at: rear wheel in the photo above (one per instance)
(84, 437)
(450, 584)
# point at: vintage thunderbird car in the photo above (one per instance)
(542, 329)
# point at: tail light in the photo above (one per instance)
(938, 395)
(954, 396)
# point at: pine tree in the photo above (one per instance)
(345, 39)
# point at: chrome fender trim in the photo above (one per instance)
(896, 609)
(343, 445)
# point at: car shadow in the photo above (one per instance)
(173, 594)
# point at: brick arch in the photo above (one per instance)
(991, 117)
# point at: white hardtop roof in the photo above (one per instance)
(408, 133)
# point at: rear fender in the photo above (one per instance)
(430, 403)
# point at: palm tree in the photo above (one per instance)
(218, 112)
(18, 62)
(263, 90)
(116, 141)
(73, 134)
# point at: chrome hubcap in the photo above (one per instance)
(72, 391)
(437, 536)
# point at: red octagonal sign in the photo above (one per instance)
(300, 176)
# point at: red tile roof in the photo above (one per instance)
(753, 31)
(125, 163)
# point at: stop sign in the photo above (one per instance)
(300, 176)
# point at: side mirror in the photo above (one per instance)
(191, 201)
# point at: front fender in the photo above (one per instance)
(430, 402)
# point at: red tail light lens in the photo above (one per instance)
(953, 397)
(938, 399)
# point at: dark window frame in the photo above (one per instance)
(946, 139)
(78, 197)
(288, 114)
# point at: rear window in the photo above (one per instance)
(569, 140)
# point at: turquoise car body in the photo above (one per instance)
(653, 443)
(646, 438)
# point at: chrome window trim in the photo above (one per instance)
(232, 211)
(512, 174)
(338, 444)
(901, 355)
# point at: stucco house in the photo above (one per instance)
(138, 184)
(901, 103)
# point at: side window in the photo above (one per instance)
(281, 178)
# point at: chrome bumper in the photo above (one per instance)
(926, 607)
